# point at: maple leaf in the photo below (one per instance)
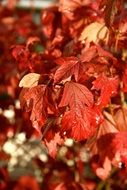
(94, 32)
(39, 101)
(88, 54)
(22, 55)
(108, 87)
(80, 122)
(107, 125)
(115, 147)
(103, 53)
(34, 98)
(29, 80)
(95, 51)
(95, 60)
(69, 66)
(53, 144)
(76, 95)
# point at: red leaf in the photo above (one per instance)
(108, 87)
(88, 54)
(76, 96)
(52, 145)
(104, 53)
(107, 126)
(115, 147)
(69, 66)
(39, 101)
(96, 51)
(34, 98)
(81, 120)
(79, 123)
(22, 55)
(48, 20)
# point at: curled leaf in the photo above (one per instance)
(29, 80)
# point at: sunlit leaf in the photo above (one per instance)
(29, 80)
(94, 32)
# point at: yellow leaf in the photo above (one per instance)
(29, 80)
(94, 32)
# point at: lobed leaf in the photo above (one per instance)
(76, 95)
(81, 120)
(94, 32)
(79, 123)
(69, 66)
(108, 87)
(115, 147)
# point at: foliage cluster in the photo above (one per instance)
(72, 68)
